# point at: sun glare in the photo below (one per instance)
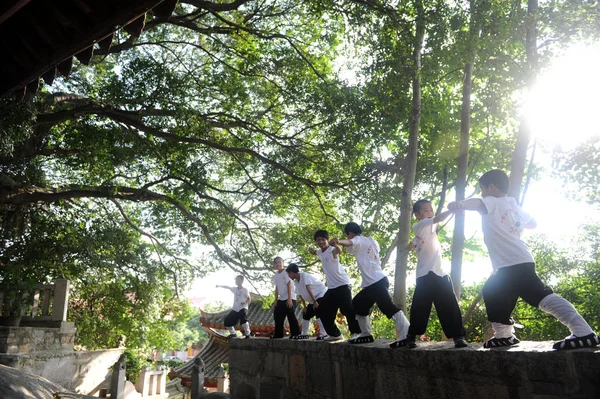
(562, 109)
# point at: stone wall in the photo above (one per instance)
(35, 339)
(286, 369)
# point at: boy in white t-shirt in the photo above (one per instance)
(514, 275)
(285, 301)
(434, 286)
(374, 285)
(241, 299)
(310, 290)
(339, 290)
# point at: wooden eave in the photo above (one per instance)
(40, 37)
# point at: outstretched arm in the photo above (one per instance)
(224, 286)
(345, 243)
(440, 217)
(471, 204)
(312, 251)
(337, 250)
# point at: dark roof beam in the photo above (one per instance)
(165, 9)
(86, 55)
(9, 8)
(105, 43)
(64, 68)
(135, 27)
(49, 75)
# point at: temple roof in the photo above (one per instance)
(38, 38)
(260, 318)
(214, 353)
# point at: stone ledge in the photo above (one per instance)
(262, 368)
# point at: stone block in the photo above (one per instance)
(320, 376)
(246, 362)
(271, 390)
(276, 364)
(297, 371)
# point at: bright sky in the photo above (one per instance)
(562, 111)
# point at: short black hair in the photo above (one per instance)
(292, 267)
(277, 257)
(240, 277)
(417, 205)
(322, 233)
(352, 228)
(496, 177)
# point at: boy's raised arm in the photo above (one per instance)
(440, 217)
(471, 204)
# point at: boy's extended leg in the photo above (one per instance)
(344, 302)
(231, 320)
(328, 306)
(279, 316)
(448, 311)
(500, 300)
(419, 312)
(536, 293)
(292, 320)
(362, 304)
(244, 323)
(308, 314)
(386, 305)
(582, 334)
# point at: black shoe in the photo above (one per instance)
(460, 342)
(247, 336)
(499, 342)
(589, 341)
(230, 336)
(409, 342)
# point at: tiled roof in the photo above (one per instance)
(260, 319)
(214, 353)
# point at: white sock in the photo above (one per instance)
(402, 325)
(503, 330)
(305, 326)
(564, 312)
(246, 327)
(364, 324)
(231, 330)
(322, 332)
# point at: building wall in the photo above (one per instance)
(287, 369)
(76, 371)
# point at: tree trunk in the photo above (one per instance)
(458, 237)
(519, 158)
(410, 168)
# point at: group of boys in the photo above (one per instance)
(514, 277)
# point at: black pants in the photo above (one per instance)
(503, 289)
(280, 313)
(376, 293)
(334, 299)
(436, 290)
(311, 312)
(233, 317)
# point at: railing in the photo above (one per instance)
(49, 303)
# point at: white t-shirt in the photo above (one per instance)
(502, 227)
(427, 248)
(239, 295)
(318, 288)
(281, 281)
(366, 250)
(334, 271)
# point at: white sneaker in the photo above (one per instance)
(354, 336)
(330, 338)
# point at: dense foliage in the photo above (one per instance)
(237, 129)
